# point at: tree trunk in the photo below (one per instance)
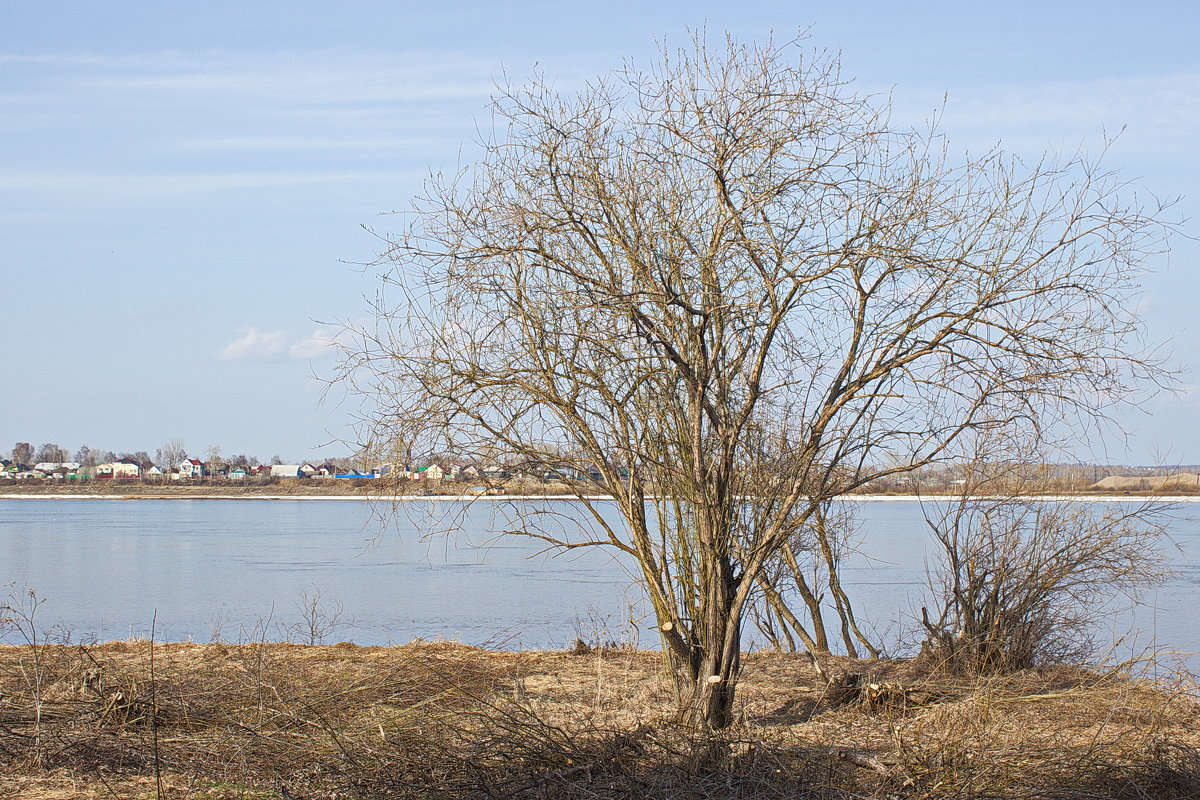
(714, 682)
(788, 621)
(705, 661)
(820, 642)
(841, 601)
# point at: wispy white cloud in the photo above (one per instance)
(255, 345)
(135, 185)
(336, 76)
(318, 344)
(86, 59)
(265, 345)
(1158, 112)
(301, 143)
(83, 128)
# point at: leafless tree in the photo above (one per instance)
(728, 288)
(50, 453)
(214, 463)
(84, 456)
(171, 454)
(22, 453)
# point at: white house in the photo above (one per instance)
(191, 468)
(50, 467)
(119, 469)
(285, 471)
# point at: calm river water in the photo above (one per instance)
(238, 570)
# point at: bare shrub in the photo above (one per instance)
(18, 614)
(1021, 580)
(318, 618)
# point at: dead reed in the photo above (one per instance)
(446, 720)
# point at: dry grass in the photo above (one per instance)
(446, 720)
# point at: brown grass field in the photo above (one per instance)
(428, 720)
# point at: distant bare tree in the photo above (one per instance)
(141, 457)
(213, 462)
(85, 456)
(726, 289)
(22, 453)
(50, 453)
(170, 454)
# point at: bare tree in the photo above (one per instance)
(50, 453)
(725, 288)
(84, 456)
(171, 453)
(141, 457)
(22, 453)
(214, 464)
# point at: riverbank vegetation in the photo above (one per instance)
(439, 719)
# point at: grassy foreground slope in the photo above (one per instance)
(446, 720)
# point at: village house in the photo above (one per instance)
(121, 468)
(191, 468)
(14, 471)
(57, 467)
(433, 472)
(496, 473)
(353, 473)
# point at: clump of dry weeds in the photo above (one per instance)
(445, 720)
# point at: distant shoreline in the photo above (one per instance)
(865, 498)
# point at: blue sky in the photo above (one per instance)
(184, 187)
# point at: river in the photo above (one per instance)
(239, 570)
